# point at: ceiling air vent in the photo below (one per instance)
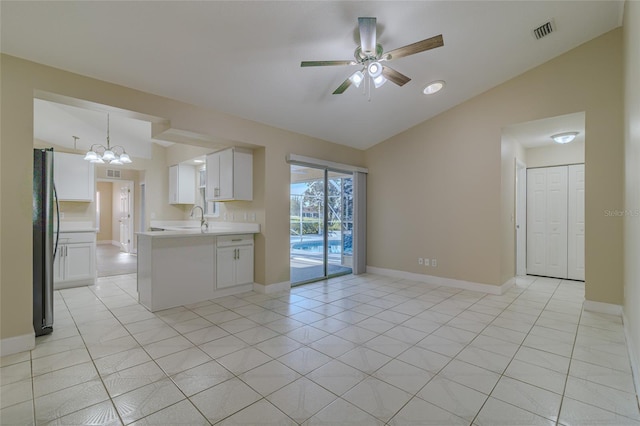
(111, 173)
(543, 30)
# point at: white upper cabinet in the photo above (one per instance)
(230, 175)
(74, 177)
(182, 184)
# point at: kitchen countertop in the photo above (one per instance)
(215, 229)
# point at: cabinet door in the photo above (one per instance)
(173, 184)
(79, 261)
(182, 184)
(244, 265)
(225, 266)
(74, 177)
(58, 264)
(226, 175)
(186, 184)
(213, 177)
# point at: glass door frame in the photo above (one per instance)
(325, 222)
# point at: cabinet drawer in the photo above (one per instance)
(77, 237)
(235, 240)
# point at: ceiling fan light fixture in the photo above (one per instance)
(379, 81)
(565, 137)
(434, 87)
(357, 78)
(374, 69)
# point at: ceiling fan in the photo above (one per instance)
(370, 56)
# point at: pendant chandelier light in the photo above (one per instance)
(107, 154)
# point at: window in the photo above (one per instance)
(210, 208)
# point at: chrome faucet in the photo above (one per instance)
(203, 222)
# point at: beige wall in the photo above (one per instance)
(444, 188)
(106, 191)
(555, 155)
(632, 180)
(21, 79)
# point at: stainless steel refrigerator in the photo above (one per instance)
(45, 241)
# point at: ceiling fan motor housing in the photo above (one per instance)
(362, 57)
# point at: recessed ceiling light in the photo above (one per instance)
(198, 161)
(565, 137)
(434, 87)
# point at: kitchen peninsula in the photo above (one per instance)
(182, 267)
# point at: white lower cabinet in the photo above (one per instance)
(74, 264)
(234, 260)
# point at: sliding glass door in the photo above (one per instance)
(321, 223)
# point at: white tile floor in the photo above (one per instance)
(365, 350)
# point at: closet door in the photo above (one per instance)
(557, 222)
(575, 262)
(536, 221)
(547, 221)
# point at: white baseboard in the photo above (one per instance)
(445, 282)
(602, 308)
(272, 288)
(14, 345)
(633, 355)
(103, 242)
(115, 243)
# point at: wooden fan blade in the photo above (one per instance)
(326, 63)
(395, 76)
(367, 35)
(344, 86)
(417, 47)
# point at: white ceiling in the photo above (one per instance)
(537, 133)
(58, 123)
(243, 57)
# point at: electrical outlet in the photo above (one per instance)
(61, 215)
(245, 216)
(426, 262)
(253, 217)
(434, 262)
(420, 261)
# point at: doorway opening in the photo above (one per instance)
(115, 250)
(548, 196)
(321, 223)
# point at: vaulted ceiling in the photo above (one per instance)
(243, 57)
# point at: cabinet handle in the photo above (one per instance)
(239, 239)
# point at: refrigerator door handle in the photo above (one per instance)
(55, 196)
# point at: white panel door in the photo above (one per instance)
(547, 221)
(557, 222)
(536, 221)
(575, 256)
(125, 219)
(521, 220)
